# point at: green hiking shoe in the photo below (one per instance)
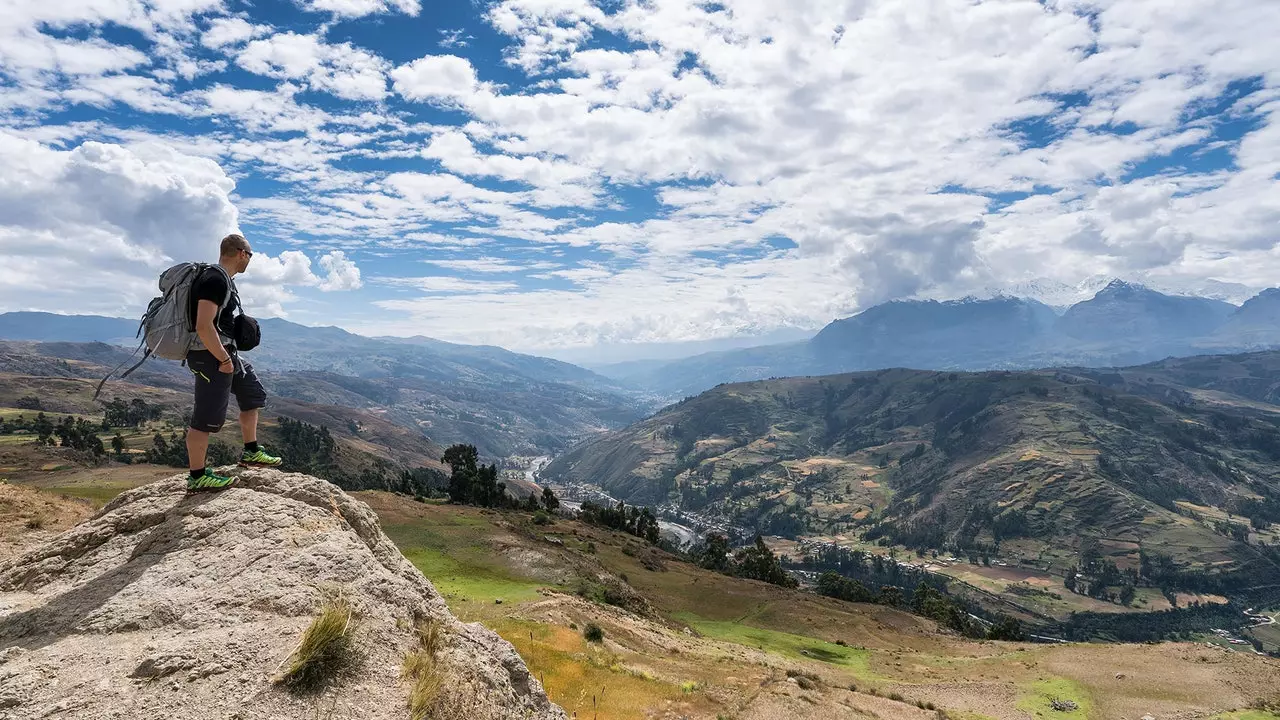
(209, 481)
(259, 459)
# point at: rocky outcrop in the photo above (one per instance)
(174, 605)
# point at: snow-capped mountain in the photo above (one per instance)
(1060, 295)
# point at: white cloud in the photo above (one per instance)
(341, 272)
(113, 217)
(224, 31)
(360, 8)
(491, 265)
(446, 284)
(437, 78)
(893, 149)
(343, 70)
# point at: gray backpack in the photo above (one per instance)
(167, 328)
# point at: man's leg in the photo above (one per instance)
(212, 393)
(249, 425)
(197, 448)
(251, 397)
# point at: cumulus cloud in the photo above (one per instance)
(97, 224)
(437, 78)
(689, 169)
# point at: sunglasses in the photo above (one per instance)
(248, 253)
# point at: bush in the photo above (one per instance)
(541, 518)
(593, 633)
(35, 523)
(325, 649)
(896, 696)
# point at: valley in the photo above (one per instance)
(758, 651)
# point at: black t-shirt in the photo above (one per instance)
(212, 286)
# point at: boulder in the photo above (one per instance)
(176, 605)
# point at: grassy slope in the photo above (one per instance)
(746, 634)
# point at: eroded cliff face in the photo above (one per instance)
(173, 605)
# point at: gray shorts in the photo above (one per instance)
(214, 389)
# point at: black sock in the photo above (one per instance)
(251, 447)
(197, 473)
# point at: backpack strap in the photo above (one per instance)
(136, 365)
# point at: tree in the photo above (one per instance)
(117, 444)
(715, 556)
(890, 595)
(1007, 629)
(549, 499)
(1069, 582)
(758, 562)
(1126, 594)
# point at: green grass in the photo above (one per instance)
(453, 553)
(461, 581)
(797, 647)
(8, 413)
(1039, 694)
(99, 495)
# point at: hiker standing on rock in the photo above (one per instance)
(219, 371)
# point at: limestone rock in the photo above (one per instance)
(182, 606)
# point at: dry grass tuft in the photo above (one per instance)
(420, 668)
(325, 650)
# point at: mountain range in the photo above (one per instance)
(1121, 324)
(1179, 457)
(505, 403)
(512, 403)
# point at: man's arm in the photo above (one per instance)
(206, 311)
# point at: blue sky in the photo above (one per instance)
(562, 175)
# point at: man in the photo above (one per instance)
(219, 371)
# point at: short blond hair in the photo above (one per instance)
(233, 244)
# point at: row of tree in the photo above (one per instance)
(638, 521)
(474, 483)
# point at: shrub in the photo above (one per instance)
(593, 633)
(324, 651)
(541, 518)
(689, 686)
(35, 523)
(896, 696)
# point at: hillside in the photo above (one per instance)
(705, 645)
(505, 404)
(1041, 469)
(174, 605)
(677, 640)
(1121, 324)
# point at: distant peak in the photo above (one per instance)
(1122, 287)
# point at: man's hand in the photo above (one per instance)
(227, 367)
